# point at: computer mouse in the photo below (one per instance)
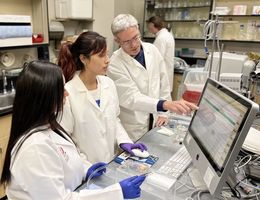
(139, 153)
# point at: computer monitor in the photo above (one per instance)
(217, 131)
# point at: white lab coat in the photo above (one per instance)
(165, 42)
(49, 167)
(139, 89)
(96, 130)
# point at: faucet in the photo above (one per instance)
(4, 81)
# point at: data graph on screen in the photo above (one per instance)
(218, 120)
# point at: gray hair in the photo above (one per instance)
(122, 22)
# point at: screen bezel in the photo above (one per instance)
(237, 98)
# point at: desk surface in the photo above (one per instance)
(159, 145)
(164, 147)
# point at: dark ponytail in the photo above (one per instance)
(66, 61)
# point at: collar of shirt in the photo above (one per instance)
(140, 57)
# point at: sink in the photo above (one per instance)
(6, 100)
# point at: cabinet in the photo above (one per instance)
(36, 9)
(5, 125)
(239, 22)
(185, 18)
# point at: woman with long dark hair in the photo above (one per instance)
(42, 162)
(92, 108)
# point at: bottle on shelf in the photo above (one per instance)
(251, 30)
(242, 32)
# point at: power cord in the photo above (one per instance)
(234, 191)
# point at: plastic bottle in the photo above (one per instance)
(242, 32)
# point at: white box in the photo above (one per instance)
(232, 80)
(239, 10)
(15, 18)
(73, 9)
(231, 62)
(256, 10)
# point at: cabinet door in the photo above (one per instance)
(5, 125)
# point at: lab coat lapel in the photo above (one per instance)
(130, 59)
(104, 89)
(148, 59)
(92, 100)
(83, 90)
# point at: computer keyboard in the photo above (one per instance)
(176, 165)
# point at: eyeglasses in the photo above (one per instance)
(127, 43)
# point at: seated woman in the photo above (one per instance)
(42, 162)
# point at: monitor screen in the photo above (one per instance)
(217, 131)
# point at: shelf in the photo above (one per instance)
(184, 20)
(38, 13)
(199, 39)
(25, 46)
(192, 56)
(183, 7)
(69, 19)
(238, 15)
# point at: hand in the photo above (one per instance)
(95, 167)
(161, 120)
(129, 146)
(131, 186)
(181, 106)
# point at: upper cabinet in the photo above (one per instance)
(74, 9)
(185, 18)
(239, 20)
(26, 22)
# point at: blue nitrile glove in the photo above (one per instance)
(131, 186)
(129, 146)
(94, 167)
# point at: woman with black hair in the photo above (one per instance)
(42, 162)
(91, 113)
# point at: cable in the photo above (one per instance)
(200, 192)
(257, 188)
(208, 33)
(234, 191)
(249, 159)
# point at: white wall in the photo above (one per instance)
(103, 14)
(133, 7)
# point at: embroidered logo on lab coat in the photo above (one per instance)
(63, 153)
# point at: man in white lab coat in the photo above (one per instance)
(165, 43)
(140, 76)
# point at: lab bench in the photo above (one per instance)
(159, 145)
(164, 147)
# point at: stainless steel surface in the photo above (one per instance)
(6, 101)
(4, 81)
(159, 145)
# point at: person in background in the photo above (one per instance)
(165, 43)
(140, 76)
(42, 162)
(92, 108)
